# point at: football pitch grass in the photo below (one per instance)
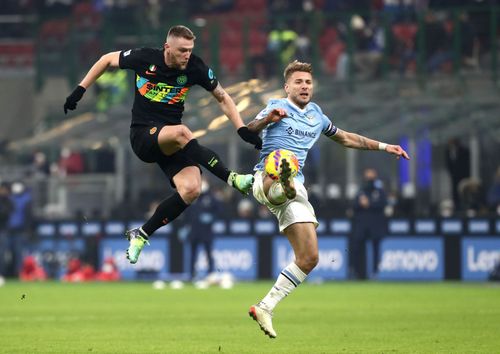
(343, 317)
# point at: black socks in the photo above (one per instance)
(166, 212)
(207, 158)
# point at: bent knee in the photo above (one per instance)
(174, 136)
(308, 263)
(189, 191)
(183, 135)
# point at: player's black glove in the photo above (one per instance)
(250, 137)
(72, 99)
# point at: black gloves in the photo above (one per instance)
(72, 99)
(250, 137)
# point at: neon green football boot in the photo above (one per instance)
(137, 242)
(242, 183)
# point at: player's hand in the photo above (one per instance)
(397, 150)
(250, 137)
(276, 115)
(72, 99)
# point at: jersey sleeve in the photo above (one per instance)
(206, 76)
(328, 128)
(131, 59)
(262, 114)
(270, 106)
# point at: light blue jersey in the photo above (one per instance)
(297, 132)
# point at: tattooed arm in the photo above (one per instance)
(227, 106)
(356, 141)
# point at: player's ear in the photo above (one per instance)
(166, 46)
(286, 87)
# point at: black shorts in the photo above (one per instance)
(144, 141)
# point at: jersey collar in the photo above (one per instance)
(297, 108)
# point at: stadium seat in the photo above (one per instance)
(85, 17)
(332, 55)
(231, 59)
(54, 32)
(405, 33)
(327, 38)
(258, 42)
(17, 54)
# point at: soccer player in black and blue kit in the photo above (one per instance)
(163, 78)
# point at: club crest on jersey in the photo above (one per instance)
(181, 80)
(152, 68)
(153, 130)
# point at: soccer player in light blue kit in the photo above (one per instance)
(295, 123)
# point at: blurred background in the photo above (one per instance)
(420, 73)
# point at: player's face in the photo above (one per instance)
(299, 88)
(178, 51)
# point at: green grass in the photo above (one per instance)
(329, 318)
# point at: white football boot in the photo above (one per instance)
(264, 318)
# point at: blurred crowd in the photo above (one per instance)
(362, 38)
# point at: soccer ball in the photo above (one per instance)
(272, 164)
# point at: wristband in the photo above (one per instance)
(382, 146)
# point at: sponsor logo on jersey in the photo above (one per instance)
(211, 75)
(301, 133)
(127, 53)
(153, 130)
(161, 92)
(181, 80)
(151, 70)
(304, 133)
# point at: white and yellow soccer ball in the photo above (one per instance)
(272, 164)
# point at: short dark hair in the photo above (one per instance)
(181, 31)
(296, 66)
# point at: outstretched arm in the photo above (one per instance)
(227, 105)
(257, 125)
(356, 141)
(107, 60)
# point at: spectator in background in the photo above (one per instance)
(282, 45)
(109, 271)
(40, 165)
(245, 209)
(472, 196)
(6, 208)
(20, 222)
(111, 89)
(70, 163)
(437, 41)
(78, 272)
(369, 42)
(469, 42)
(458, 166)
(369, 223)
(493, 197)
(31, 270)
(199, 219)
